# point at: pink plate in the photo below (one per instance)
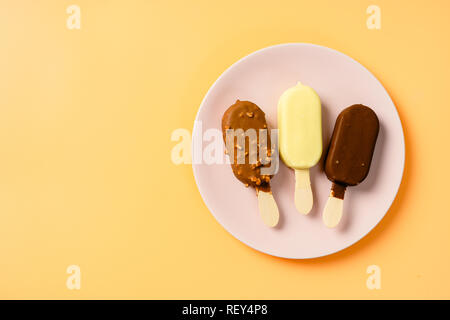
(340, 81)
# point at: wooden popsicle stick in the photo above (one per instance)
(303, 192)
(268, 208)
(332, 213)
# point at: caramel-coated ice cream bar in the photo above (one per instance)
(246, 151)
(349, 156)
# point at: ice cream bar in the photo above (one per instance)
(300, 138)
(349, 156)
(248, 144)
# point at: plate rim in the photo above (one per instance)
(295, 44)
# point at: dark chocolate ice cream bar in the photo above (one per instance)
(349, 156)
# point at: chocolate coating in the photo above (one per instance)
(351, 148)
(247, 115)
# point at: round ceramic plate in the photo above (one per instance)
(340, 81)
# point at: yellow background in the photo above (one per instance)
(86, 177)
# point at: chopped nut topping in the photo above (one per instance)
(250, 114)
(256, 165)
